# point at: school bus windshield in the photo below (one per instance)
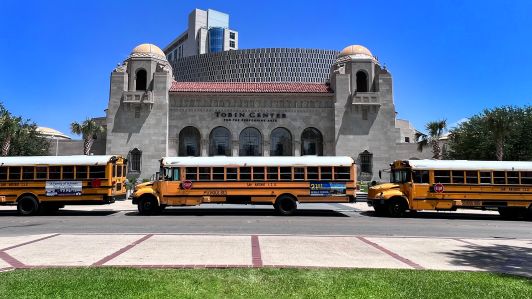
(400, 176)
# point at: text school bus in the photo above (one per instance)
(451, 184)
(279, 181)
(48, 183)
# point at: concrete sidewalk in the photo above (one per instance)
(221, 251)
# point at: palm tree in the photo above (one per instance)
(8, 128)
(435, 132)
(499, 121)
(88, 130)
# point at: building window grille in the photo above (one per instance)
(189, 142)
(366, 162)
(135, 160)
(220, 142)
(311, 142)
(281, 142)
(250, 142)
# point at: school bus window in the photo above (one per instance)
(299, 173)
(27, 173)
(41, 172)
(442, 176)
(14, 173)
(119, 170)
(499, 177)
(218, 173)
(458, 176)
(231, 174)
(286, 173)
(245, 173)
(3, 173)
(192, 173)
(342, 173)
(273, 173)
(96, 172)
(54, 173)
(204, 173)
(81, 172)
(526, 177)
(513, 177)
(258, 173)
(421, 176)
(312, 173)
(175, 174)
(68, 172)
(485, 177)
(472, 177)
(326, 173)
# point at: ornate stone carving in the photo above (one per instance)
(121, 68)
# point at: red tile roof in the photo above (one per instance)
(237, 87)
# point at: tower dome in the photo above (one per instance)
(148, 50)
(356, 51)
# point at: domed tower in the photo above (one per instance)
(137, 114)
(364, 110)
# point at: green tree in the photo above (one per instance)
(435, 130)
(9, 125)
(88, 130)
(495, 134)
(500, 121)
(20, 137)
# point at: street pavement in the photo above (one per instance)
(221, 236)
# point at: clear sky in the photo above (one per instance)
(449, 59)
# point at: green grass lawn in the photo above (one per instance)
(258, 283)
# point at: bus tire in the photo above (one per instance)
(397, 207)
(285, 205)
(28, 205)
(148, 205)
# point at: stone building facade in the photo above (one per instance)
(150, 115)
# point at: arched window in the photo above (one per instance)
(220, 142)
(311, 142)
(362, 82)
(141, 80)
(135, 160)
(250, 142)
(189, 142)
(281, 142)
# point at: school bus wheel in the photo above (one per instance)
(397, 207)
(285, 205)
(28, 205)
(148, 205)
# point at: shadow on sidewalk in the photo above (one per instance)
(500, 258)
(241, 212)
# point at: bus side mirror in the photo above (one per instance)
(380, 174)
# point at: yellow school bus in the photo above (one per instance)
(451, 184)
(47, 183)
(279, 181)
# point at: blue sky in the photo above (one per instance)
(449, 59)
